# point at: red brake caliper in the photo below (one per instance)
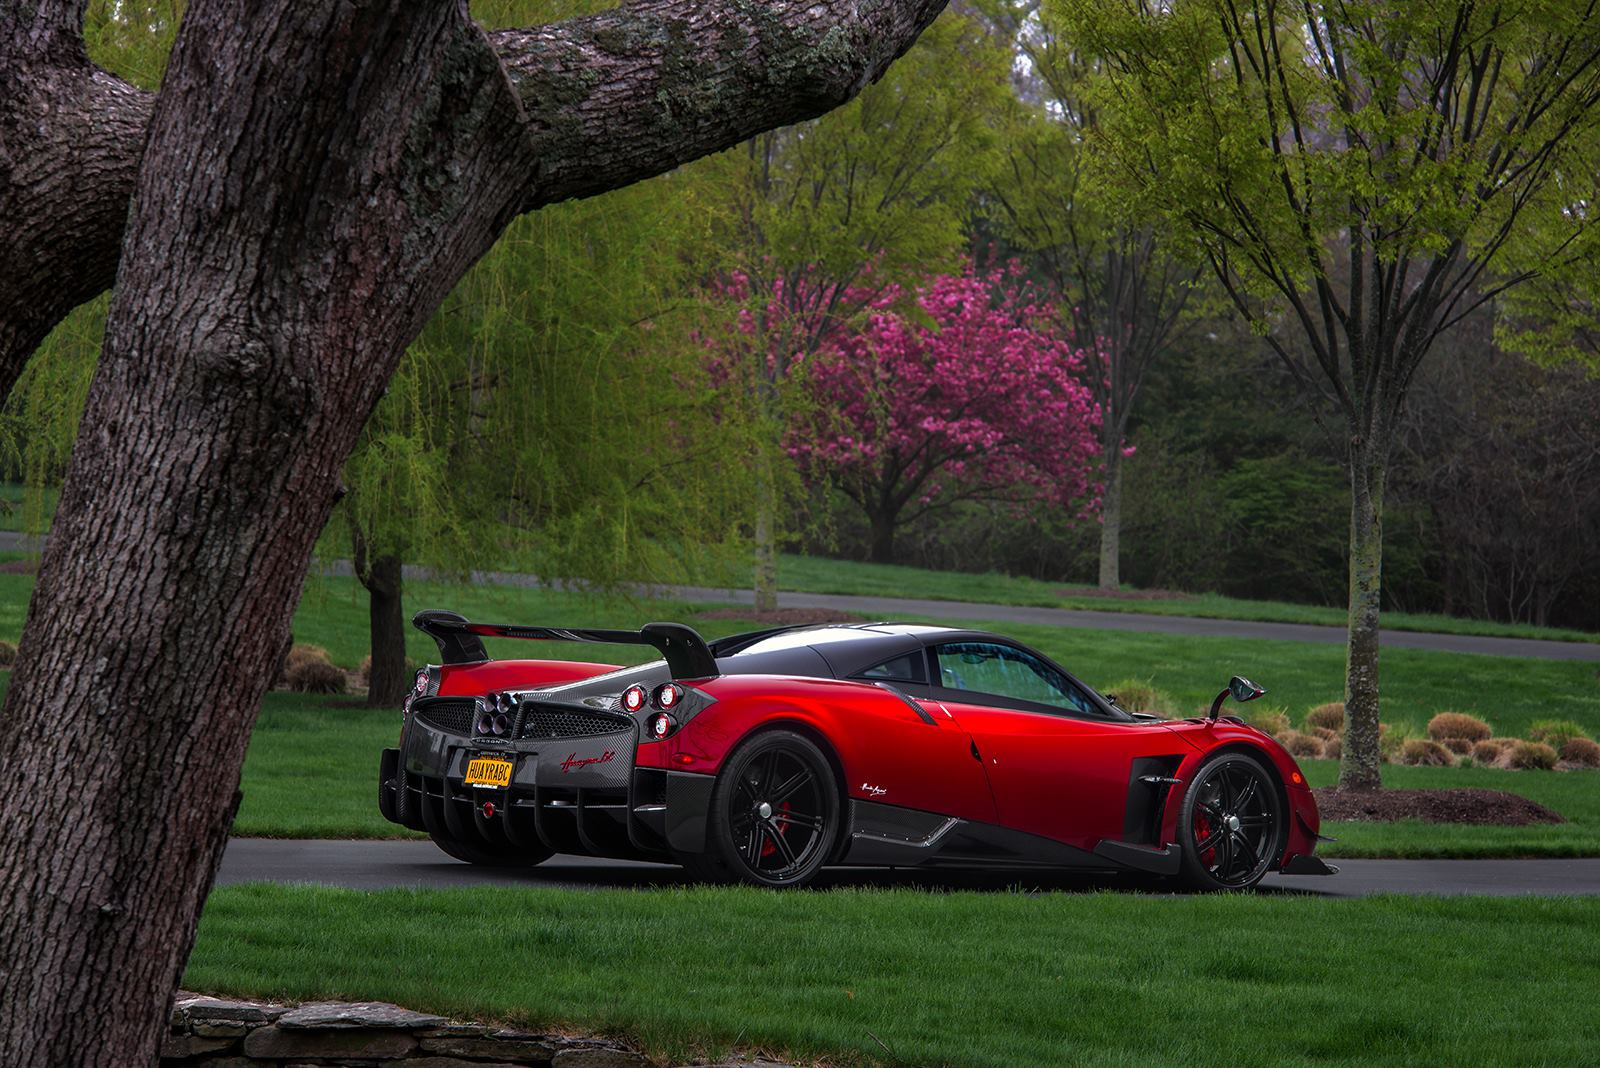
(1202, 828)
(767, 848)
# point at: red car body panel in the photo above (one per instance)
(470, 680)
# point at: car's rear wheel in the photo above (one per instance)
(1231, 824)
(775, 814)
(486, 855)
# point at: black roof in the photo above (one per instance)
(836, 650)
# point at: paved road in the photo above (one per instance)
(899, 607)
(380, 865)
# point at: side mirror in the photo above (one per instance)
(1240, 689)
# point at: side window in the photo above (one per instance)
(987, 667)
(907, 668)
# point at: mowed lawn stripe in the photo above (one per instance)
(946, 978)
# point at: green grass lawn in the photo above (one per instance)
(910, 977)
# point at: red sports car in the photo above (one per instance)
(764, 757)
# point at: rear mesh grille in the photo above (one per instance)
(555, 721)
(453, 714)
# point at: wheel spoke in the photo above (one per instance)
(797, 780)
(1213, 813)
(1223, 795)
(783, 846)
(1245, 795)
(799, 819)
(752, 850)
(1249, 850)
(1206, 843)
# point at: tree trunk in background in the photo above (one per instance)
(1111, 521)
(882, 545)
(389, 680)
(1359, 764)
(766, 563)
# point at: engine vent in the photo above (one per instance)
(564, 721)
(453, 714)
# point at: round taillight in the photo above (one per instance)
(661, 725)
(668, 695)
(422, 682)
(633, 698)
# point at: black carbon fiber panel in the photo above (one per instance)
(453, 714)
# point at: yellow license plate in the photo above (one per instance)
(488, 771)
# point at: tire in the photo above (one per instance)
(485, 855)
(1231, 824)
(775, 814)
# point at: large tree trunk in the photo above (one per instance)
(1359, 763)
(1111, 520)
(315, 179)
(881, 547)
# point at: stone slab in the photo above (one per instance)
(329, 1015)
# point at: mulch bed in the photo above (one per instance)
(1433, 806)
(783, 617)
(1123, 595)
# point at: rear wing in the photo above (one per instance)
(460, 641)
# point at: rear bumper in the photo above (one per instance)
(638, 813)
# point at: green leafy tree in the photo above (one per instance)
(1359, 177)
(1120, 291)
(826, 213)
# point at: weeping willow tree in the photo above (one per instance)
(554, 416)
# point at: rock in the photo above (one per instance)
(455, 1030)
(514, 1047)
(220, 1028)
(185, 1047)
(599, 1057)
(329, 1015)
(189, 1007)
(349, 1042)
(454, 1062)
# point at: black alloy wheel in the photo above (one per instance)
(774, 814)
(487, 855)
(1231, 824)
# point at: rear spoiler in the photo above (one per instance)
(460, 641)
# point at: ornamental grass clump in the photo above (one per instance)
(316, 676)
(1583, 752)
(1489, 751)
(1458, 725)
(1425, 752)
(1532, 756)
(1555, 732)
(1392, 737)
(1326, 717)
(8, 654)
(1458, 746)
(1302, 745)
(1332, 748)
(1273, 721)
(1137, 695)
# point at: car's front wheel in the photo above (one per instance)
(1231, 824)
(490, 856)
(775, 814)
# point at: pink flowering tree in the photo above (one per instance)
(972, 399)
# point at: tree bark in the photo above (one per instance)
(316, 178)
(881, 548)
(1359, 766)
(70, 138)
(1111, 520)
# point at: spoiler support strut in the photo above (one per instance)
(460, 641)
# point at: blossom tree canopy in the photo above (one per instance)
(972, 399)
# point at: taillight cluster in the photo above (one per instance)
(663, 698)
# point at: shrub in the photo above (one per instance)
(1581, 751)
(1532, 756)
(1458, 746)
(1326, 717)
(1273, 721)
(1553, 732)
(1140, 696)
(299, 654)
(1488, 752)
(8, 654)
(1301, 745)
(1392, 737)
(1425, 752)
(1332, 748)
(316, 676)
(1458, 725)
(1326, 733)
